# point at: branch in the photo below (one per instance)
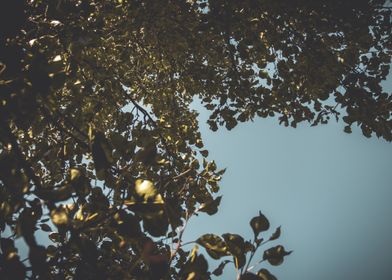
(179, 245)
(154, 124)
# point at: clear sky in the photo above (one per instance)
(330, 191)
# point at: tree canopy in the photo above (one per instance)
(101, 151)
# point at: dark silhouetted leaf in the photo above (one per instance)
(219, 270)
(195, 268)
(275, 255)
(37, 257)
(55, 195)
(276, 234)
(249, 276)
(214, 245)
(156, 225)
(204, 153)
(127, 224)
(45, 227)
(55, 237)
(264, 274)
(259, 224)
(102, 154)
(211, 207)
(237, 247)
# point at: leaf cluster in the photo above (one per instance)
(100, 150)
(243, 252)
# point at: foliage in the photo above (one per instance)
(101, 151)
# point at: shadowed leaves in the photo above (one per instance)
(262, 274)
(275, 255)
(211, 207)
(237, 247)
(214, 245)
(95, 113)
(147, 202)
(102, 154)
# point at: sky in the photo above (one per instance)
(330, 191)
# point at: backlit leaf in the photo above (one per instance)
(211, 207)
(275, 255)
(214, 245)
(264, 274)
(276, 234)
(259, 224)
(45, 227)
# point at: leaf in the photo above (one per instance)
(204, 153)
(75, 174)
(237, 247)
(239, 261)
(366, 131)
(249, 276)
(259, 224)
(98, 200)
(275, 255)
(214, 245)
(59, 217)
(55, 237)
(145, 199)
(7, 246)
(119, 142)
(235, 243)
(219, 270)
(146, 190)
(199, 143)
(55, 195)
(159, 265)
(12, 268)
(231, 123)
(80, 182)
(276, 234)
(127, 224)
(211, 207)
(45, 227)
(347, 129)
(213, 125)
(174, 211)
(156, 225)
(51, 251)
(195, 268)
(264, 274)
(147, 155)
(37, 257)
(102, 154)
(243, 117)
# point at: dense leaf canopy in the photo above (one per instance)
(101, 152)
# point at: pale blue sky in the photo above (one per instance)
(330, 191)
